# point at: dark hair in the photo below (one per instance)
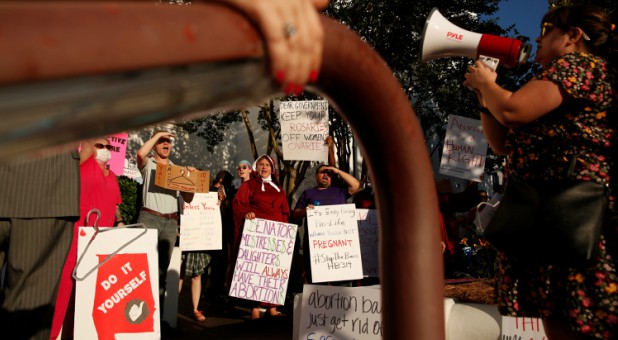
(598, 26)
(225, 177)
(317, 170)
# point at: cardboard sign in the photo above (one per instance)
(465, 149)
(176, 177)
(119, 152)
(334, 312)
(117, 284)
(334, 246)
(264, 259)
(368, 234)
(522, 328)
(304, 127)
(200, 224)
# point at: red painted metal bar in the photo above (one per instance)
(44, 40)
(98, 68)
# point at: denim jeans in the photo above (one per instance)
(166, 239)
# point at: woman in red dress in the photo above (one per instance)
(260, 197)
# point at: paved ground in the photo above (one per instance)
(225, 322)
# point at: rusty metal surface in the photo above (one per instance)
(357, 80)
(73, 70)
(53, 39)
(354, 78)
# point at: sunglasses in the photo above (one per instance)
(164, 140)
(546, 27)
(242, 167)
(106, 146)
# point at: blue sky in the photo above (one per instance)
(524, 14)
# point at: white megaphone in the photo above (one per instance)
(443, 39)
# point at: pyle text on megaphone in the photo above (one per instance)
(441, 38)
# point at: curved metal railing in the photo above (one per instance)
(81, 69)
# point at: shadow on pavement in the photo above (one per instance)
(224, 321)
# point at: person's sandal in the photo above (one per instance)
(199, 316)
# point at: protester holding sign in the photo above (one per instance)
(324, 193)
(260, 197)
(160, 209)
(560, 126)
(99, 190)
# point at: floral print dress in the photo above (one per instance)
(573, 141)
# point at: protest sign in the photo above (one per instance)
(334, 246)
(200, 223)
(131, 170)
(368, 235)
(117, 284)
(176, 177)
(264, 259)
(334, 312)
(119, 152)
(514, 328)
(304, 127)
(465, 149)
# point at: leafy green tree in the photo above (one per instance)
(212, 128)
(128, 191)
(394, 28)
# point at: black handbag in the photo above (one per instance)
(551, 222)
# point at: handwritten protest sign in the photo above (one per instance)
(176, 177)
(131, 170)
(334, 312)
(368, 234)
(119, 152)
(120, 297)
(264, 259)
(304, 127)
(465, 149)
(522, 328)
(334, 246)
(200, 223)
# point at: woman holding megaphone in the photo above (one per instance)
(559, 127)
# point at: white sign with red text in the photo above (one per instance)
(304, 127)
(200, 223)
(522, 328)
(334, 246)
(117, 284)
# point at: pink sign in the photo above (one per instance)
(119, 152)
